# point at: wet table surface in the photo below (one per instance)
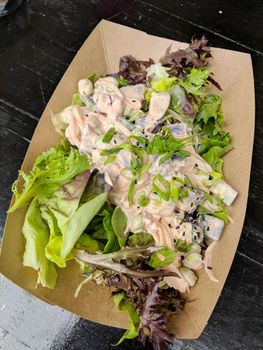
(37, 43)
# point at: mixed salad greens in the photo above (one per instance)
(135, 192)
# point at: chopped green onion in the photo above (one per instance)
(178, 179)
(183, 153)
(183, 193)
(109, 135)
(143, 200)
(164, 190)
(188, 182)
(174, 192)
(109, 160)
(182, 246)
(140, 139)
(131, 191)
(106, 152)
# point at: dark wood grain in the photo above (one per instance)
(38, 42)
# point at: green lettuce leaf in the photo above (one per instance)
(212, 156)
(210, 110)
(65, 201)
(141, 239)
(221, 140)
(119, 223)
(122, 82)
(73, 229)
(163, 85)
(89, 244)
(195, 80)
(95, 186)
(101, 229)
(52, 169)
(53, 247)
(123, 305)
(76, 100)
(112, 244)
(58, 210)
(36, 233)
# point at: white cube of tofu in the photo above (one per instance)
(213, 227)
(227, 193)
(185, 232)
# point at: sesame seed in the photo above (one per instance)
(208, 228)
(196, 165)
(192, 204)
(177, 227)
(115, 141)
(170, 225)
(137, 143)
(209, 267)
(135, 181)
(184, 233)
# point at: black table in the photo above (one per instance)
(38, 42)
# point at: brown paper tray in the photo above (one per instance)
(100, 54)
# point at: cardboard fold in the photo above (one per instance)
(100, 54)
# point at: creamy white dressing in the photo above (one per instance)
(208, 262)
(85, 128)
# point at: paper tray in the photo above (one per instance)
(100, 54)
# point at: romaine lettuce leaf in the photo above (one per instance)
(95, 186)
(58, 210)
(65, 201)
(53, 247)
(73, 229)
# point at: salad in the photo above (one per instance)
(135, 192)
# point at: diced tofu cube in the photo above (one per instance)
(213, 227)
(227, 193)
(185, 232)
